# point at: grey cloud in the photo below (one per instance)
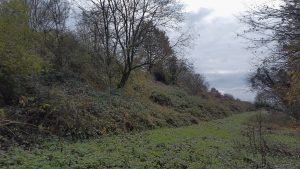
(227, 80)
(233, 83)
(220, 55)
(194, 17)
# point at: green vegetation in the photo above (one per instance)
(79, 115)
(78, 98)
(55, 82)
(94, 80)
(215, 144)
(17, 52)
(17, 42)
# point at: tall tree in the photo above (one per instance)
(96, 28)
(278, 75)
(130, 21)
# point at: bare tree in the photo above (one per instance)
(58, 12)
(50, 17)
(98, 31)
(133, 21)
(34, 13)
(130, 21)
(278, 28)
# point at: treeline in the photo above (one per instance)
(277, 79)
(111, 39)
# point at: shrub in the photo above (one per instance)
(17, 53)
(160, 99)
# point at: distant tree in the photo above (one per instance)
(195, 83)
(156, 48)
(177, 67)
(216, 93)
(50, 18)
(271, 83)
(229, 96)
(266, 100)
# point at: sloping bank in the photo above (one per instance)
(76, 110)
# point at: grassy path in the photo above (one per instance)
(212, 144)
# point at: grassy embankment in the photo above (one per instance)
(77, 110)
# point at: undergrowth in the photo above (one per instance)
(74, 109)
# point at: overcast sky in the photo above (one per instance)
(217, 52)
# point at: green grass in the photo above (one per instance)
(207, 145)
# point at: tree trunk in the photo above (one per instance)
(150, 68)
(124, 79)
(6, 91)
(2, 100)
